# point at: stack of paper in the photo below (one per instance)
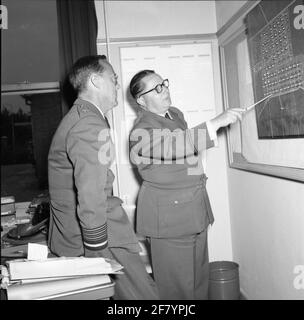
(42, 288)
(21, 269)
(63, 277)
(7, 205)
(40, 277)
(8, 211)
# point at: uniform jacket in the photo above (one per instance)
(172, 200)
(84, 214)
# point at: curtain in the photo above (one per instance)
(77, 28)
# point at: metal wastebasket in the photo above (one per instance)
(224, 281)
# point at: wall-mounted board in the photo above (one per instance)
(269, 139)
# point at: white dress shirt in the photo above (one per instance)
(210, 128)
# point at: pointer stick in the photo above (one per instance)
(252, 106)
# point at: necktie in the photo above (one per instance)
(110, 130)
(167, 115)
(107, 121)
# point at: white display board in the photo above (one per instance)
(187, 66)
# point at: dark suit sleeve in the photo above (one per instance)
(90, 175)
(163, 144)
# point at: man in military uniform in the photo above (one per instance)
(86, 219)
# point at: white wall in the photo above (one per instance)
(127, 19)
(267, 222)
(219, 236)
(136, 19)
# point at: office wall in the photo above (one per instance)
(144, 19)
(127, 19)
(267, 223)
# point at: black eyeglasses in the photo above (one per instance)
(158, 88)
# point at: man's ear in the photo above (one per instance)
(141, 101)
(95, 80)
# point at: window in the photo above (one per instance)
(29, 119)
(30, 104)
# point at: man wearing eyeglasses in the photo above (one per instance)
(173, 209)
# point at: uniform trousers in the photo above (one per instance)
(181, 267)
(135, 283)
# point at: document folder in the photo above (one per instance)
(73, 288)
(60, 267)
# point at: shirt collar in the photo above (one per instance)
(164, 114)
(143, 112)
(90, 105)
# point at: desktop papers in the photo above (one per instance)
(47, 289)
(37, 251)
(61, 267)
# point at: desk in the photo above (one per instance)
(94, 290)
(21, 208)
(18, 248)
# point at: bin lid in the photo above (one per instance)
(223, 270)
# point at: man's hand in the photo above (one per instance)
(227, 117)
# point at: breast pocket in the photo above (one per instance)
(181, 213)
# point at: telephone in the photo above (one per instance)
(39, 222)
(27, 230)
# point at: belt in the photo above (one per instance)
(201, 182)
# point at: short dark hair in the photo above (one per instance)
(83, 68)
(136, 85)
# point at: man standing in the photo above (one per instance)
(173, 208)
(86, 219)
